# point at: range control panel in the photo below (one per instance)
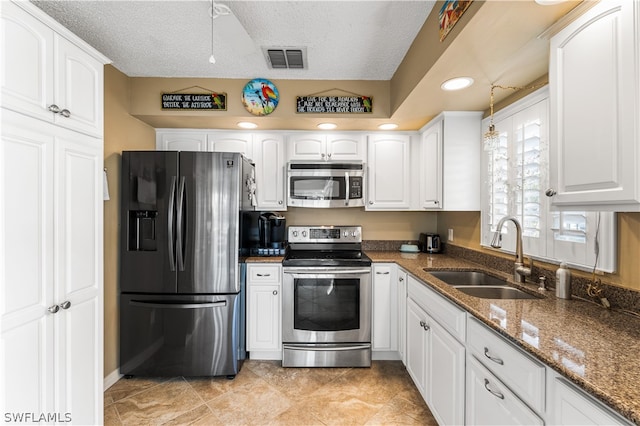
(325, 234)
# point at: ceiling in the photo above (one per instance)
(344, 40)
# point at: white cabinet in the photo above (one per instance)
(435, 358)
(269, 157)
(449, 169)
(595, 109)
(389, 172)
(326, 146)
(401, 291)
(572, 406)
(384, 312)
(231, 142)
(51, 284)
(264, 311)
(48, 76)
(490, 402)
(184, 140)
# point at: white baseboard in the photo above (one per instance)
(385, 356)
(111, 379)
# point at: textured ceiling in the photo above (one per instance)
(345, 40)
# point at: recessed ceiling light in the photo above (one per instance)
(387, 126)
(247, 125)
(457, 83)
(327, 126)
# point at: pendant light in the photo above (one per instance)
(212, 59)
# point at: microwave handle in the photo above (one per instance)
(347, 188)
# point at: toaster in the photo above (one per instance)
(429, 243)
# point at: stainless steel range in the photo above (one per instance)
(326, 316)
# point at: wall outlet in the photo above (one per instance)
(450, 234)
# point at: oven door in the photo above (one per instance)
(326, 305)
(325, 188)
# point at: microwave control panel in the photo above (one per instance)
(355, 187)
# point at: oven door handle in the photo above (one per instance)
(326, 347)
(325, 271)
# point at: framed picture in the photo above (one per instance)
(450, 12)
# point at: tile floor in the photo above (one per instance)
(264, 393)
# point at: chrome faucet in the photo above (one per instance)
(520, 271)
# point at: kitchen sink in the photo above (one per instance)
(467, 278)
(495, 292)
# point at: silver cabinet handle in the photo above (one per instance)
(280, 202)
(65, 113)
(65, 305)
(382, 273)
(264, 275)
(275, 292)
(400, 279)
(371, 202)
(492, 358)
(329, 155)
(322, 155)
(491, 391)
(54, 108)
(425, 325)
(550, 192)
(53, 309)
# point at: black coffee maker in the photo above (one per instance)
(272, 230)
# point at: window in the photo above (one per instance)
(515, 177)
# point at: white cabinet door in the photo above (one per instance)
(401, 291)
(270, 172)
(389, 183)
(26, 277)
(417, 345)
(306, 146)
(445, 376)
(26, 63)
(594, 109)
(78, 89)
(430, 168)
(181, 141)
(264, 311)
(346, 147)
(571, 406)
(489, 402)
(231, 142)
(384, 313)
(52, 312)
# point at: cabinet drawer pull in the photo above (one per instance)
(491, 391)
(54, 108)
(264, 275)
(425, 325)
(492, 358)
(382, 273)
(65, 113)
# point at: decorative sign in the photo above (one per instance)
(450, 12)
(195, 101)
(334, 104)
(260, 96)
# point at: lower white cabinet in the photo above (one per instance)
(51, 228)
(385, 315)
(572, 406)
(264, 311)
(490, 402)
(434, 358)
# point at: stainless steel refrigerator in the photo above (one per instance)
(181, 285)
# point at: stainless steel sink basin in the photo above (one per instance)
(495, 292)
(472, 278)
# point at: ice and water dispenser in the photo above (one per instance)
(142, 222)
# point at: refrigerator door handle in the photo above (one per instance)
(171, 305)
(179, 231)
(170, 225)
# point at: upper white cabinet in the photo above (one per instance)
(449, 169)
(269, 157)
(181, 141)
(595, 110)
(326, 146)
(231, 142)
(389, 172)
(46, 75)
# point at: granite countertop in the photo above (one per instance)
(594, 347)
(263, 259)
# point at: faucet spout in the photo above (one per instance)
(520, 271)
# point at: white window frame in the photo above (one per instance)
(546, 248)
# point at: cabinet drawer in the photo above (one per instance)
(448, 315)
(517, 370)
(267, 274)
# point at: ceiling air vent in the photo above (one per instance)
(286, 57)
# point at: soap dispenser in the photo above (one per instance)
(563, 282)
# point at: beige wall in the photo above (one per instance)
(121, 132)
(466, 233)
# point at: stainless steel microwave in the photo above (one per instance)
(325, 184)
